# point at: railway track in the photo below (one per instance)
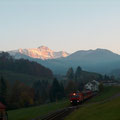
(60, 114)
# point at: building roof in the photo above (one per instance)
(94, 83)
(2, 106)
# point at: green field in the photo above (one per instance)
(33, 112)
(107, 110)
(107, 93)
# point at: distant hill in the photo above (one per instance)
(116, 73)
(22, 66)
(41, 52)
(99, 60)
(89, 76)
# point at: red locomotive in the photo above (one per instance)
(79, 97)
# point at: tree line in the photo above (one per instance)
(19, 95)
(8, 63)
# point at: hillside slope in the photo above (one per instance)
(7, 63)
(99, 60)
(107, 110)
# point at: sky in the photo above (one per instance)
(68, 25)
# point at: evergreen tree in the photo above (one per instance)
(100, 78)
(41, 94)
(106, 78)
(15, 95)
(62, 90)
(55, 92)
(3, 90)
(112, 78)
(44, 87)
(80, 86)
(37, 88)
(78, 73)
(70, 74)
(71, 87)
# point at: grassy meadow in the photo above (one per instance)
(107, 93)
(108, 110)
(34, 112)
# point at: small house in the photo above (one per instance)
(93, 85)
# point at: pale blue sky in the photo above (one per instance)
(68, 25)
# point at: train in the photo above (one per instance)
(79, 97)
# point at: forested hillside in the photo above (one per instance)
(7, 63)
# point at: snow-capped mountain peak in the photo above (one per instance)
(41, 52)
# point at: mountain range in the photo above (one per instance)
(99, 60)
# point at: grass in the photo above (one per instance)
(100, 111)
(107, 93)
(33, 112)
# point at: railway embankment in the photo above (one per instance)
(105, 106)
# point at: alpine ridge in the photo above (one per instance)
(41, 52)
(99, 60)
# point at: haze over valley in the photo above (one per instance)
(100, 60)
